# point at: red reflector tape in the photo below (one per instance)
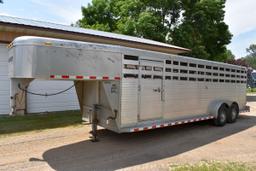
(136, 130)
(84, 77)
(65, 76)
(117, 78)
(105, 77)
(170, 124)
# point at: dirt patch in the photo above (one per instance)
(70, 149)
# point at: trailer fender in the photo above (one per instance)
(215, 105)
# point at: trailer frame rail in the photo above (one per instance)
(171, 123)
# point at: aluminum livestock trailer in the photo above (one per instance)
(128, 90)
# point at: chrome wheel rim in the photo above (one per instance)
(233, 113)
(222, 116)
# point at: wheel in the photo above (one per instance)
(222, 116)
(233, 113)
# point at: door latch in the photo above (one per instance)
(157, 90)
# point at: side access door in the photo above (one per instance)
(150, 89)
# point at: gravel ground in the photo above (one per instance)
(70, 149)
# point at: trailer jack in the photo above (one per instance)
(94, 136)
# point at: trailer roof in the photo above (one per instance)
(33, 40)
(71, 29)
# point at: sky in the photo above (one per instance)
(239, 16)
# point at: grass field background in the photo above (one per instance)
(15, 124)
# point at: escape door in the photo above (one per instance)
(150, 89)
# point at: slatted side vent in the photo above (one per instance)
(130, 75)
(184, 71)
(131, 69)
(192, 71)
(130, 57)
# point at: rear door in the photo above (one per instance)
(150, 89)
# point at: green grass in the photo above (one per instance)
(213, 166)
(251, 90)
(15, 124)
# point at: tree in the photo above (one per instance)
(240, 62)
(1, 1)
(194, 24)
(147, 18)
(251, 57)
(229, 55)
(203, 29)
(252, 50)
(99, 16)
(144, 18)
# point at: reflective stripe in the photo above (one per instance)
(65, 76)
(81, 77)
(105, 77)
(170, 124)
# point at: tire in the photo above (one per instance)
(233, 113)
(222, 116)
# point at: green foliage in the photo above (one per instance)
(229, 55)
(251, 57)
(252, 50)
(251, 60)
(203, 29)
(142, 18)
(251, 90)
(194, 24)
(98, 16)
